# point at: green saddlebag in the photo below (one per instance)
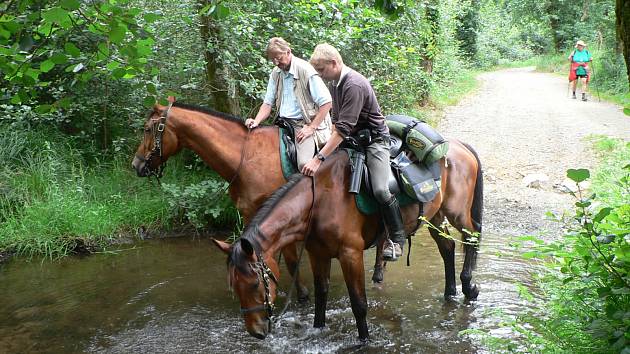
(419, 137)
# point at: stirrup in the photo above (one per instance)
(389, 252)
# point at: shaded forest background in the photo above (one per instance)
(78, 78)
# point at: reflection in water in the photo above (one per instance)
(171, 296)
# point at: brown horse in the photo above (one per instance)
(322, 212)
(249, 160)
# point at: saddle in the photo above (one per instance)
(411, 180)
(288, 150)
(415, 173)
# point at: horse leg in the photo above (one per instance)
(354, 275)
(447, 251)
(471, 245)
(471, 291)
(379, 263)
(291, 259)
(321, 280)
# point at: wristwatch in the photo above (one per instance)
(320, 157)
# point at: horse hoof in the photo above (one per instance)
(450, 298)
(377, 277)
(472, 293)
(303, 296)
(450, 295)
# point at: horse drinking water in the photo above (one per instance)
(322, 213)
(250, 161)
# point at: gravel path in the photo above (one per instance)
(521, 123)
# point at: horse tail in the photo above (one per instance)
(476, 210)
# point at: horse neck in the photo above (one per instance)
(286, 220)
(219, 142)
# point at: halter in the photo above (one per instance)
(264, 274)
(158, 131)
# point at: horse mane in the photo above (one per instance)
(252, 230)
(209, 111)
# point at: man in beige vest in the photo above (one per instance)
(299, 96)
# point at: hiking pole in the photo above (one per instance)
(595, 86)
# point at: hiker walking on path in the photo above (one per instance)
(580, 59)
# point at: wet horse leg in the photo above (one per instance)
(291, 259)
(471, 291)
(379, 264)
(321, 280)
(354, 275)
(447, 251)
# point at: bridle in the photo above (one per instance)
(158, 130)
(264, 274)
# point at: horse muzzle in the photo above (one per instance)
(140, 166)
(260, 329)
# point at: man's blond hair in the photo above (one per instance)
(326, 52)
(277, 45)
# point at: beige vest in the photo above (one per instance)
(303, 72)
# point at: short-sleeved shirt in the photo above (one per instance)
(581, 56)
(290, 107)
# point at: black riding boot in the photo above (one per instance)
(393, 221)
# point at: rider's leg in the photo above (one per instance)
(305, 149)
(378, 164)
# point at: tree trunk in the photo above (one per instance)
(224, 98)
(554, 24)
(623, 31)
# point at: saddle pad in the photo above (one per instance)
(368, 205)
(287, 167)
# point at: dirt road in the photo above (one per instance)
(523, 123)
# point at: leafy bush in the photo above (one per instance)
(202, 203)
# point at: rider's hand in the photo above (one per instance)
(311, 167)
(251, 123)
(304, 133)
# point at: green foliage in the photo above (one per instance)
(585, 301)
(53, 202)
(202, 203)
(67, 45)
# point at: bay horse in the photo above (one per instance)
(250, 161)
(321, 212)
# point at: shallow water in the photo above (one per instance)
(171, 296)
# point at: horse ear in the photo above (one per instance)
(247, 247)
(223, 246)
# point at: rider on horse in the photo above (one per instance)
(300, 97)
(355, 108)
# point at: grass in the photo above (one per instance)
(53, 202)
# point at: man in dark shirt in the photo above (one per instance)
(355, 108)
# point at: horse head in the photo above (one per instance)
(158, 143)
(254, 281)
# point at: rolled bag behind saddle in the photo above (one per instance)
(419, 137)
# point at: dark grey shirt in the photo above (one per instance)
(355, 107)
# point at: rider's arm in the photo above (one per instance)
(263, 113)
(265, 108)
(321, 96)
